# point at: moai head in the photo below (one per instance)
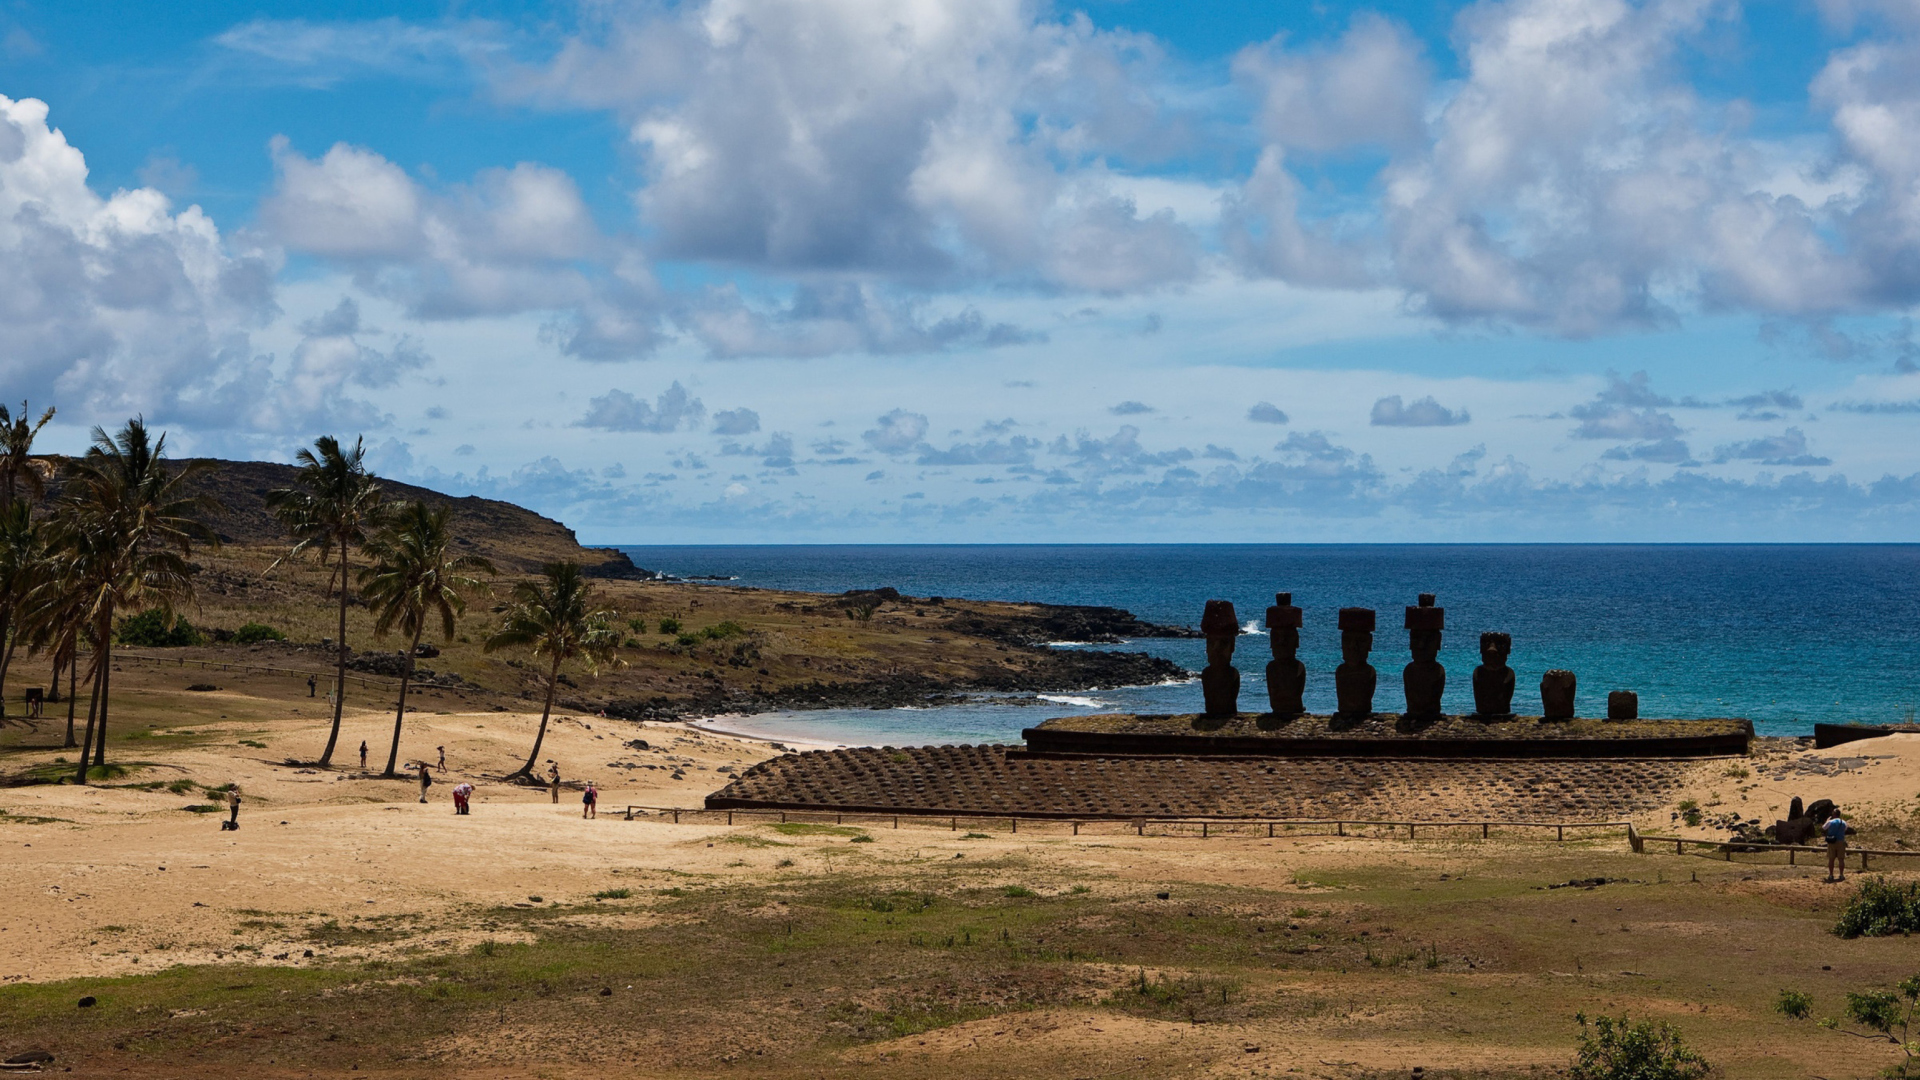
(1283, 626)
(1556, 694)
(1424, 624)
(1424, 644)
(1495, 647)
(1356, 634)
(1221, 626)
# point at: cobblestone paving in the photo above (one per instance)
(989, 780)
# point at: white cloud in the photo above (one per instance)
(115, 305)
(1266, 412)
(1425, 412)
(617, 410)
(897, 432)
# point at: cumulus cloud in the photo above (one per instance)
(1884, 408)
(844, 317)
(1016, 451)
(897, 432)
(1666, 451)
(1787, 448)
(123, 304)
(1426, 412)
(617, 410)
(736, 422)
(1131, 408)
(923, 142)
(1266, 413)
(1120, 452)
(1763, 406)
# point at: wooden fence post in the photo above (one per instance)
(1203, 836)
(1340, 827)
(1483, 830)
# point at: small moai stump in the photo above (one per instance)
(1556, 695)
(1286, 675)
(1493, 679)
(1220, 682)
(1623, 705)
(1354, 680)
(1424, 680)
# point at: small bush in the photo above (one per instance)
(688, 640)
(637, 625)
(1018, 891)
(1880, 907)
(1794, 1004)
(861, 839)
(613, 894)
(151, 630)
(1618, 1049)
(669, 625)
(253, 633)
(723, 630)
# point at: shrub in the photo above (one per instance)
(151, 630)
(1880, 907)
(723, 630)
(1618, 1049)
(1794, 1004)
(669, 625)
(637, 625)
(1018, 891)
(688, 640)
(613, 894)
(254, 633)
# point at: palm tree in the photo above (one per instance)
(23, 566)
(555, 618)
(336, 503)
(125, 527)
(16, 452)
(414, 581)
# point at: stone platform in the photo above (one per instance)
(995, 780)
(1385, 735)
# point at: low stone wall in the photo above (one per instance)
(990, 780)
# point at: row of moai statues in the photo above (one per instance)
(1424, 680)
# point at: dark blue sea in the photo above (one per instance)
(1784, 635)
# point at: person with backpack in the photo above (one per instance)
(1835, 831)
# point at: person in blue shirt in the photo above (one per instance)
(1835, 830)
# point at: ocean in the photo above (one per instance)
(1785, 635)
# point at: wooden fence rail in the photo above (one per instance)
(1207, 826)
(1729, 848)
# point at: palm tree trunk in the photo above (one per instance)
(106, 691)
(553, 684)
(400, 713)
(340, 667)
(6, 658)
(73, 686)
(93, 707)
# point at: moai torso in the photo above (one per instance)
(1220, 682)
(1493, 679)
(1286, 675)
(1424, 680)
(1354, 680)
(1556, 695)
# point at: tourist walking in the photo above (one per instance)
(426, 781)
(553, 779)
(363, 755)
(589, 801)
(310, 685)
(1836, 830)
(443, 758)
(233, 809)
(462, 797)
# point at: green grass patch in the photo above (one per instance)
(613, 894)
(810, 828)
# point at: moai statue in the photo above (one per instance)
(1220, 682)
(1556, 695)
(1424, 679)
(1354, 680)
(1493, 679)
(1623, 705)
(1286, 675)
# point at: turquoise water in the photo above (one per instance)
(1784, 635)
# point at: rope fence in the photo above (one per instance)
(1727, 849)
(1160, 826)
(380, 681)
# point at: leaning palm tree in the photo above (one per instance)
(126, 526)
(335, 504)
(415, 580)
(16, 452)
(554, 617)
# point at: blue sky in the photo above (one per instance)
(985, 270)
